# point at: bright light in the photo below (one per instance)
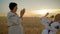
(43, 11)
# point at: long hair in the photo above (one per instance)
(57, 17)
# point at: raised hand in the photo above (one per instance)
(47, 14)
(22, 12)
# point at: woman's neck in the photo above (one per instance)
(13, 11)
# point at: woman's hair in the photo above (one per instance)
(12, 5)
(47, 14)
(52, 16)
(57, 17)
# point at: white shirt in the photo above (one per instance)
(14, 23)
(13, 19)
(54, 25)
(45, 22)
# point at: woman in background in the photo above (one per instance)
(14, 21)
(46, 22)
(55, 26)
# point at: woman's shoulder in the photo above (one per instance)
(10, 14)
(55, 24)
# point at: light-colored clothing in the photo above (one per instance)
(45, 31)
(14, 23)
(46, 23)
(54, 28)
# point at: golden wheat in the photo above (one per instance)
(31, 25)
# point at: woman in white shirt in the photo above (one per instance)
(55, 25)
(14, 21)
(46, 22)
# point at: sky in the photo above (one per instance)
(29, 5)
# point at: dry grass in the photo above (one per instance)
(31, 25)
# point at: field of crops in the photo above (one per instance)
(31, 25)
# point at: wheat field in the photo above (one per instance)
(31, 25)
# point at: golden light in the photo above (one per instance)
(43, 11)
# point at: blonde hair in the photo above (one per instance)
(57, 17)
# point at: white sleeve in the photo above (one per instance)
(53, 26)
(59, 26)
(43, 20)
(14, 19)
(19, 20)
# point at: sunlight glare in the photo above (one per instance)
(43, 11)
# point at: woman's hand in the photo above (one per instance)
(47, 14)
(22, 12)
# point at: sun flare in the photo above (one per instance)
(43, 11)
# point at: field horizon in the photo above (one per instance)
(31, 25)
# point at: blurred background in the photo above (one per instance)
(35, 9)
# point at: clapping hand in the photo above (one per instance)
(22, 12)
(47, 14)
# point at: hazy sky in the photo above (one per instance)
(30, 5)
